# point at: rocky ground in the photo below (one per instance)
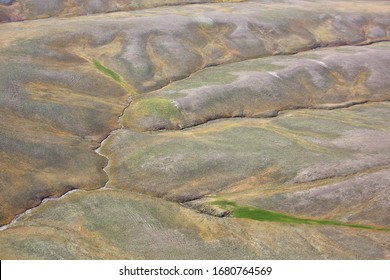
(194, 129)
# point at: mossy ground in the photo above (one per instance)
(106, 71)
(113, 75)
(157, 108)
(253, 213)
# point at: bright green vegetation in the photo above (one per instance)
(110, 73)
(158, 108)
(253, 213)
(107, 71)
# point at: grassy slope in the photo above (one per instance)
(253, 213)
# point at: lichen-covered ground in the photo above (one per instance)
(194, 129)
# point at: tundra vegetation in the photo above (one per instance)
(199, 129)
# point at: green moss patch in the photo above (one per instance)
(106, 71)
(113, 75)
(158, 108)
(253, 213)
